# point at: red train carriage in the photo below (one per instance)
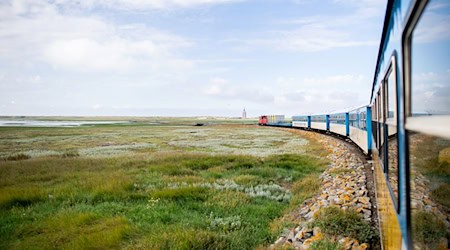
(262, 120)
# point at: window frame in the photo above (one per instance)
(392, 69)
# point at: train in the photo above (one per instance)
(405, 126)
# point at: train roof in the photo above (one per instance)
(383, 42)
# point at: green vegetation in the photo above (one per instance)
(428, 230)
(431, 156)
(335, 221)
(340, 171)
(16, 157)
(441, 194)
(147, 187)
(326, 244)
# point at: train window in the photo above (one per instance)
(392, 97)
(362, 119)
(337, 118)
(318, 118)
(358, 118)
(380, 123)
(428, 126)
(374, 122)
(391, 130)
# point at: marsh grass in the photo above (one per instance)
(432, 159)
(70, 153)
(145, 199)
(326, 244)
(16, 157)
(75, 231)
(21, 197)
(428, 230)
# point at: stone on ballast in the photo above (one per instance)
(308, 242)
(291, 236)
(317, 231)
(346, 197)
(364, 211)
(279, 241)
(304, 211)
(332, 198)
(300, 235)
(361, 192)
(297, 245)
(364, 200)
(348, 242)
(361, 247)
(308, 235)
(428, 201)
(349, 190)
(309, 215)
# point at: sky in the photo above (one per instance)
(186, 57)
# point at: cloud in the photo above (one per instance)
(322, 82)
(323, 32)
(36, 31)
(433, 26)
(216, 86)
(114, 54)
(430, 91)
(222, 88)
(319, 94)
(142, 4)
(319, 39)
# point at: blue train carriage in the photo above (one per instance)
(278, 121)
(357, 127)
(350, 124)
(301, 121)
(319, 122)
(337, 123)
(410, 128)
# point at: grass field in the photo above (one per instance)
(144, 186)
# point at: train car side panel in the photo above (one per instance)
(319, 125)
(338, 129)
(359, 137)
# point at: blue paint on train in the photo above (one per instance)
(347, 124)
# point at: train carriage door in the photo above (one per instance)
(379, 124)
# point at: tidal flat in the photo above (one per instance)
(146, 185)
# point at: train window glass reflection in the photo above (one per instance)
(392, 97)
(430, 62)
(391, 130)
(374, 122)
(428, 128)
(380, 124)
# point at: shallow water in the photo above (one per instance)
(33, 123)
